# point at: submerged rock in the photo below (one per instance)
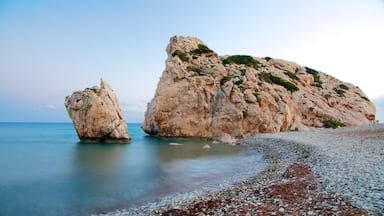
(206, 146)
(96, 114)
(202, 94)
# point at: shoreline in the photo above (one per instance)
(343, 175)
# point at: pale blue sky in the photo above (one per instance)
(48, 49)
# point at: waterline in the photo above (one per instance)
(45, 170)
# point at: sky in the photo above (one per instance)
(49, 49)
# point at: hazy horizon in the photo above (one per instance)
(49, 49)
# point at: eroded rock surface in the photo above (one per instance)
(96, 114)
(202, 94)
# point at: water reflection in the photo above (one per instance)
(113, 175)
(97, 172)
(55, 175)
(110, 175)
(94, 158)
(184, 165)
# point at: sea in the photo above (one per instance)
(46, 170)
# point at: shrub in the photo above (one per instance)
(268, 58)
(239, 82)
(319, 84)
(365, 98)
(241, 59)
(285, 83)
(344, 87)
(327, 96)
(201, 48)
(182, 56)
(340, 92)
(332, 123)
(315, 75)
(311, 71)
(292, 75)
(265, 77)
(197, 70)
(268, 77)
(204, 49)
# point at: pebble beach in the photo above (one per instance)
(321, 172)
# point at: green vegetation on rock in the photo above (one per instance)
(340, 92)
(201, 48)
(238, 82)
(268, 77)
(292, 75)
(344, 87)
(285, 83)
(365, 98)
(311, 71)
(197, 70)
(316, 76)
(265, 77)
(241, 60)
(332, 123)
(327, 96)
(182, 56)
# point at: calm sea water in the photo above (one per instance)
(44, 170)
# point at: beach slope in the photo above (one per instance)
(323, 172)
(309, 173)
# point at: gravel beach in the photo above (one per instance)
(322, 172)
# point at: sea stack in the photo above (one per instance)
(202, 94)
(96, 115)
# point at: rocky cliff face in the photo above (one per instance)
(96, 114)
(201, 94)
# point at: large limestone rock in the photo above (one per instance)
(96, 114)
(201, 94)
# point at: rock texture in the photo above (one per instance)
(202, 94)
(96, 114)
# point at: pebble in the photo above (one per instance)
(341, 163)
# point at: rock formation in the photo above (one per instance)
(201, 94)
(96, 114)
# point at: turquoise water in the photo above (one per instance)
(44, 170)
